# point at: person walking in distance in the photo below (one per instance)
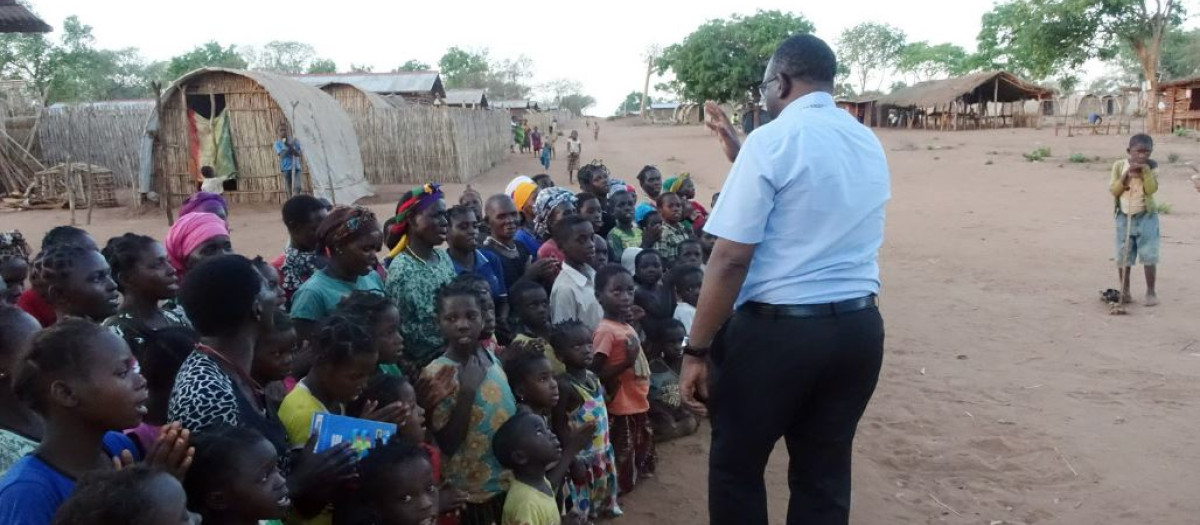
(787, 341)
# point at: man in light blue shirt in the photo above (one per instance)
(787, 317)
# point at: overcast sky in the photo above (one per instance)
(598, 43)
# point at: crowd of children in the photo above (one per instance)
(528, 378)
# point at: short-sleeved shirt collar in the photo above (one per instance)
(581, 279)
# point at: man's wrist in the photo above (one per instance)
(697, 351)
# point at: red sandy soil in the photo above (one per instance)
(1008, 393)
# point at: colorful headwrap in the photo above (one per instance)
(188, 233)
(673, 184)
(519, 180)
(547, 200)
(616, 186)
(414, 201)
(204, 201)
(13, 246)
(344, 224)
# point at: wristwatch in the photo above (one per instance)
(699, 353)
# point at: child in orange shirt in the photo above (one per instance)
(623, 368)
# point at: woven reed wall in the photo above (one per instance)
(106, 136)
(254, 117)
(416, 143)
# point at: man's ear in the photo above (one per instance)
(786, 86)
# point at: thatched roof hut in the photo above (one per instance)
(424, 87)
(979, 100)
(220, 115)
(1179, 107)
(466, 98)
(16, 18)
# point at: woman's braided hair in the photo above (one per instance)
(53, 266)
(123, 252)
(342, 336)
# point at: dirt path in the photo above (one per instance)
(1008, 394)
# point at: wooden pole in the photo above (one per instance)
(70, 190)
(90, 184)
(37, 119)
(157, 144)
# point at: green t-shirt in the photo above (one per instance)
(320, 294)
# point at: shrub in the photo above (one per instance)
(1161, 207)
(1079, 158)
(1173, 158)
(1182, 132)
(1037, 155)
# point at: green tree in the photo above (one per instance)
(1067, 84)
(464, 69)
(724, 59)
(576, 103)
(927, 62)
(1042, 37)
(284, 57)
(322, 66)
(414, 65)
(869, 48)
(632, 103)
(361, 68)
(210, 54)
(508, 79)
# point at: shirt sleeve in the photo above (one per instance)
(562, 304)
(493, 262)
(278, 147)
(306, 305)
(1149, 182)
(604, 342)
(747, 198)
(27, 503)
(1114, 182)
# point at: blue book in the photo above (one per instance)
(362, 434)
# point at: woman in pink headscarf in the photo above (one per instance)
(195, 237)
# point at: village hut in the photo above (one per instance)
(228, 119)
(107, 133)
(516, 108)
(16, 18)
(1179, 105)
(862, 107)
(991, 99)
(663, 112)
(466, 98)
(418, 87)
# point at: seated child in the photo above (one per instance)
(383, 318)
(400, 484)
(668, 418)
(593, 485)
(621, 364)
(137, 495)
(235, 478)
(687, 281)
(20, 426)
(481, 401)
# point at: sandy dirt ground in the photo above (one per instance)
(1008, 394)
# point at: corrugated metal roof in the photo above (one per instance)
(463, 97)
(385, 83)
(15, 18)
(513, 104)
(971, 87)
(330, 143)
(1180, 82)
(665, 105)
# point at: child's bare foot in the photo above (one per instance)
(1126, 298)
(1151, 299)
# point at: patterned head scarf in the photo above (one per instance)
(410, 205)
(547, 200)
(188, 233)
(13, 246)
(673, 184)
(205, 202)
(343, 225)
(616, 186)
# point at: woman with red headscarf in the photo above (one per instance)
(195, 237)
(417, 271)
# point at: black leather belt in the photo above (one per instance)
(809, 311)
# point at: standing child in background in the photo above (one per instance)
(596, 131)
(593, 485)
(467, 258)
(136, 495)
(14, 266)
(1133, 185)
(600, 253)
(531, 378)
(532, 307)
(76, 282)
(650, 179)
(350, 237)
(526, 142)
(473, 200)
(619, 362)
(20, 426)
(535, 140)
(82, 379)
(651, 294)
(707, 242)
(686, 279)
(589, 207)
(400, 484)
(302, 215)
(574, 292)
(487, 336)
(574, 151)
(235, 478)
(526, 446)
(624, 234)
(694, 214)
(668, 418)
(287, 148)
(467, 420)
(548, 152)
(674, 231)
(382, 319)
(691, 253)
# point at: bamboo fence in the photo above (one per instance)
(103, 134)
